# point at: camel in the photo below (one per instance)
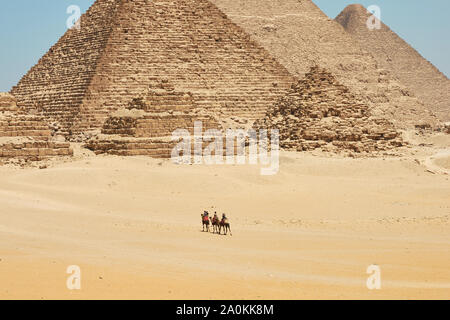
(205, 222)
(215, 223)
(226, 227)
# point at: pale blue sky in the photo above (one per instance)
(28, 28)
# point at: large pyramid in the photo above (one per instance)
(393, 53)
(125, 46)
(299, 35)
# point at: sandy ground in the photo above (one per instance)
(133, 227)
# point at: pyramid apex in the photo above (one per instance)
(355, 8)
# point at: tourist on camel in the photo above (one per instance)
(205, 220)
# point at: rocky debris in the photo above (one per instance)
(321, 113)
(81, 137)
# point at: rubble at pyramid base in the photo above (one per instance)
(320, 113)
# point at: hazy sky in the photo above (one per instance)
(28, 28)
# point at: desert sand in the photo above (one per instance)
(133, 227)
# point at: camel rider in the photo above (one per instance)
(224, 218)
(205, 215)
(215, 218)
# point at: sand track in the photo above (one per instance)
(439, 162)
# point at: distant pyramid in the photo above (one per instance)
(26, 136)
(299, 35)
(125, 46)
(394, 54)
